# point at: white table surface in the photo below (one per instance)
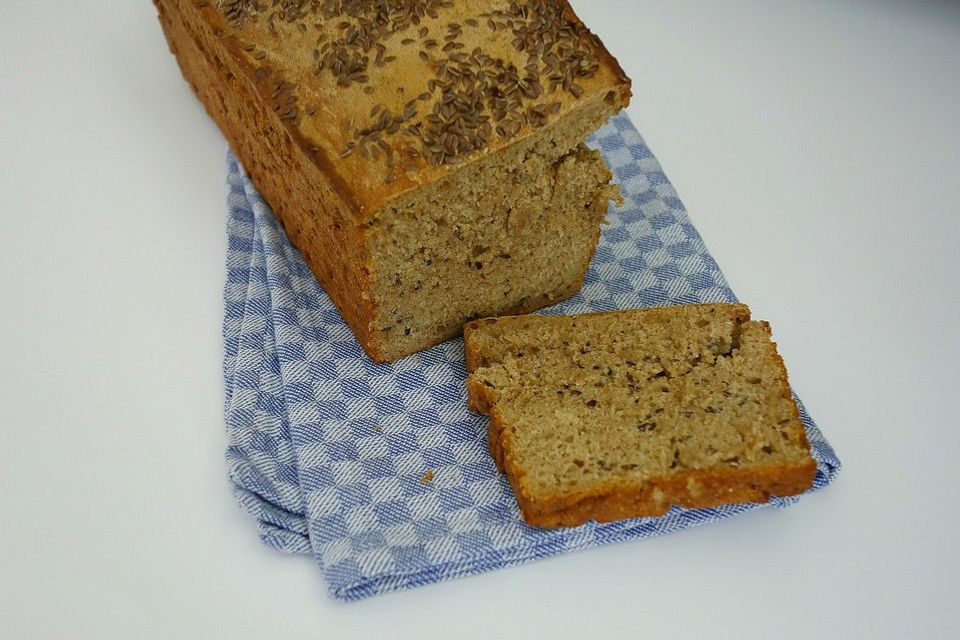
(817, 147)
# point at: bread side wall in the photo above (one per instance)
(315, 217)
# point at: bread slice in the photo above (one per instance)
(615, 415)
(424, 156)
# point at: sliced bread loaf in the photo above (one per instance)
(425, 156)
(615, 415)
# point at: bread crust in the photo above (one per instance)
(290, 125)
(694, 489)
(288, 49)
(621, 499)
(320, 224)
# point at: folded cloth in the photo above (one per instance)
(380, 471)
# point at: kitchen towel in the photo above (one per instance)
(331, 452)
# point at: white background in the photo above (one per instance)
(817, 147)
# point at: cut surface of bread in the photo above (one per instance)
(417, 153)
(624, 414)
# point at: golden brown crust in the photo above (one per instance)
(617, 500)
(624, 84)
(245, 61)
(322, 227)
(322, 114)
(695, 489)
(495, 440)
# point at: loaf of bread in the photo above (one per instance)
(616, 415)
(425, 156)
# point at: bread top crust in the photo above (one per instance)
(388, 96)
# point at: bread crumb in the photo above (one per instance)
(623, 414)
(427, 478)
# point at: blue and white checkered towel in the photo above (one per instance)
(327, 449)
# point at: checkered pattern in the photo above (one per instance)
(327, 449)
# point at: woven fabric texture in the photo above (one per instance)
(328, 450)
